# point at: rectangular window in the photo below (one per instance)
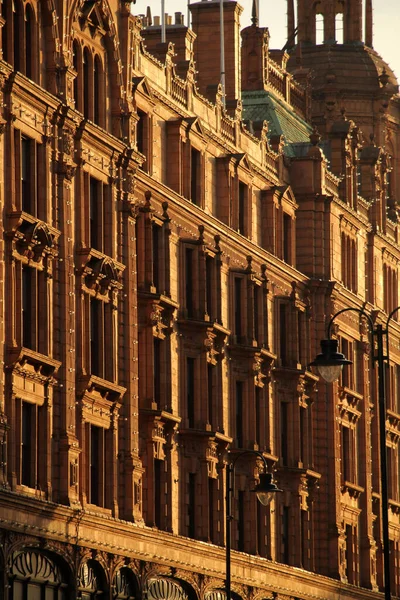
(143, 138)
(190, 390)
(284, 433)
(285, 535)
(239, 413)
(158, 496)
(189, 282)
(28, 307)
(210, 287)
(95, 496)
(283, 334)
(192, 506)
(211, 497)
(242, 208)
(157, 370)
(256, 315)
(28, 187)
(210, 393)
(259, 427)
(195, 183)
(96, 345)
(96, 214)
(101, 339)
(350, 554)
(287, 238)
(238, 308)
(155, 263)
(34, 318)
(347, 455)
(241, 521)
(28, 444)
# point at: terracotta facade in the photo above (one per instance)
(170, 260)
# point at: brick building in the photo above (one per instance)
(170, 259)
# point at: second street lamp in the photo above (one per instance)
(329, 364)
(264, 491)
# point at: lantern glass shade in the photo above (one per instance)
(266, 489)
(330, 361)
(330, 373)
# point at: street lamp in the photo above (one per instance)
(264, 491)
(329, 364)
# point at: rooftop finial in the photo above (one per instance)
(254, 13)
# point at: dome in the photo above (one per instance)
(353, 69)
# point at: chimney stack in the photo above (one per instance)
(207, 48)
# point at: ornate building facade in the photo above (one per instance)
(171, 256)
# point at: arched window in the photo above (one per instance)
(98, 96)
(77, 59)
(91, 581)
(87, 87)
(319, 28)
(124, 585)
(17, 23)
(339, 31)
(34, 574)
(29, 49)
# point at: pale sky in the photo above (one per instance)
(273, 16)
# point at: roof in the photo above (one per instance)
(261, 105)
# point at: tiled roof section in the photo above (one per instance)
(263, 106)
(355, 67)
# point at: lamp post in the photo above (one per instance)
(329, 364)
(264, 490)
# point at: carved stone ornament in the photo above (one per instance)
(209, 344)
(259, 377)
(156, 321)
(101, 274)
(212, 459)
(33, 239)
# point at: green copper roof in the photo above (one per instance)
(261, 105)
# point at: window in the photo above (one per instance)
(31, 446)
(29, 171)
(158, 496)
(349, 453)
(195, 178)
(19, 39)
(101, 335)
(351, 554)
(287, 252)
(284, 433)
(34, 309)
(143, 138)
(349, 262)
(37, 575)
(97, 194)
(339, 30)
(210, 393)
(192, 505)
(99, 448)
(242, 208)
(238, 316)
(124, 585)
(319, 29)
(390, 289)
(189, 282)
(283, 332)
(239, 413)
(190, 391)
(285, 535)
(348, 374)
(211, 499)
(28, 445)
(241, 521)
